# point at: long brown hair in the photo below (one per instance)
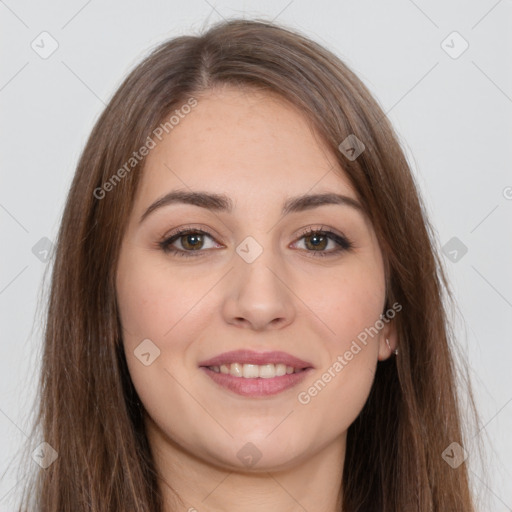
(88, 406)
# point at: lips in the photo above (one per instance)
(256, 374)
(256, 358)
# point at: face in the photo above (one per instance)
(292, 290)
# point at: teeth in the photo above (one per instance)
(250, 371)
(236, 370)
(253, 371)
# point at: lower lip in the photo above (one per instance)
(257, 387)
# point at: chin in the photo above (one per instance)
(258, 452)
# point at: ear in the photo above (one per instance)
(387, 333)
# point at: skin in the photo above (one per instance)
(258, 150)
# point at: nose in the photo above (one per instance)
(259, 295)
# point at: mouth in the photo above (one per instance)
(253, 374)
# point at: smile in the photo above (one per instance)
(256, 374)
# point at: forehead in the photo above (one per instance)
(243, 142)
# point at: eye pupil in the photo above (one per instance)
(317, 240)
(196, 241)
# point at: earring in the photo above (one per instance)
(389, 346)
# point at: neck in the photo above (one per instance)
(313, 483)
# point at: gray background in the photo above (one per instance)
(452, 112)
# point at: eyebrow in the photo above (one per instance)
(222, 203)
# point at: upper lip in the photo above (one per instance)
(259, 358)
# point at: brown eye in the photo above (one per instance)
(187, 241)
(316, 241)
(192, 241)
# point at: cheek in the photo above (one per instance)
(167, 306)
(350, 306)
(154, 301)
(348, 303)
(155, 304)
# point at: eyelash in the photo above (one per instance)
(344, 244)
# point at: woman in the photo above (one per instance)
(246, 306)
